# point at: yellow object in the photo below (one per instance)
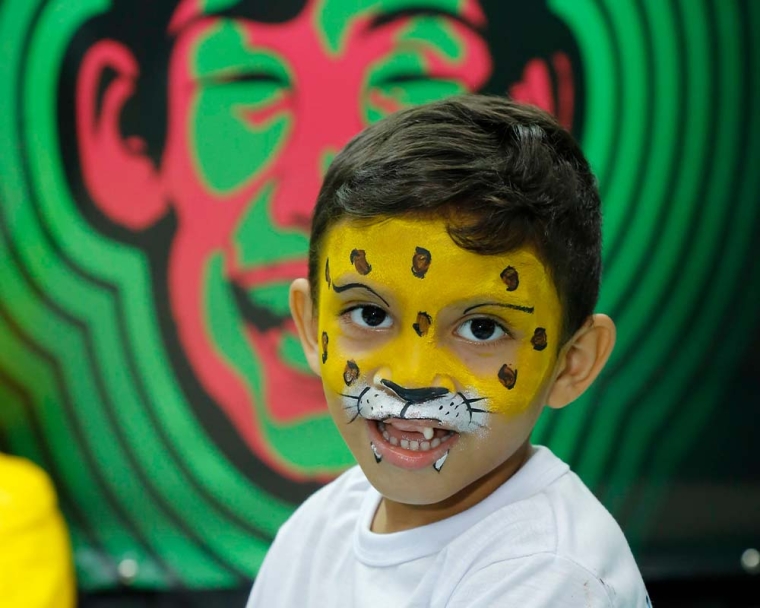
(36, 569)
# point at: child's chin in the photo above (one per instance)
(418, 488)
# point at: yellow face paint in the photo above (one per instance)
(404, 310)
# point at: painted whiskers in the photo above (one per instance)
(393, 407)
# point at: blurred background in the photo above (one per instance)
(158, 166)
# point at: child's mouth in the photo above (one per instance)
(423, 438)
(410, 444)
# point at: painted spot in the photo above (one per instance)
(327, 272)
(420, 262)
(423, 323)
(539, 339)
(325, 340)
(350, 373)
(510, 278)
(359, 260)
(508, 376)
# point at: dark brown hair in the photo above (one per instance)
(503, 175)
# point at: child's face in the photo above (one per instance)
(436, 361)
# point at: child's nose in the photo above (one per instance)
(414, 387)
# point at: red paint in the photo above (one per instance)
(325, 107)
(536, 88)
(120, 179)
(565, 89)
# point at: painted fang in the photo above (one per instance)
(359, 260)
(439, 463)
(378, 456)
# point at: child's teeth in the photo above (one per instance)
(428, 432)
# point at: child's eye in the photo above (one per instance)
(481, 329)
(370, 316)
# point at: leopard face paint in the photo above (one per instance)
(478, 328)
(428, 362)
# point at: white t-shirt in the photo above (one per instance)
(541, 540)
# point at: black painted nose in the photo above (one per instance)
(415, 395)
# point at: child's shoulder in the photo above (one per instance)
(553, 527)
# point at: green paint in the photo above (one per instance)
(707, 295)
(661, 271)
(291, 353)
(273, 296)
(259, 242)
(403, 77)
(632, 132)
(215, 6)
(325, 160)
(333, 19)
(595, 42)
(225, 52)
(230, 149)
(126, 268)
(326, 451)
(434, 32)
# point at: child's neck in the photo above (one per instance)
(394, 516)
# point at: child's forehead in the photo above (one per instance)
(399, 239)
(417, 262)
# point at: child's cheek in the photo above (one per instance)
(332, 360)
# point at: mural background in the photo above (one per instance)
(157, 168)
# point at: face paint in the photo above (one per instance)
(441, 331)
(424, 362)
(421, 262)
(423, 324)
(539, 339)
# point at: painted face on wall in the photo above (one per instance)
(256, 112)
(433, 380)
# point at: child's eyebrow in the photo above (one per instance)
(528, 309)
(340, 288)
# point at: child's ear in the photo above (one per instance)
(581, 360)
(302, 311)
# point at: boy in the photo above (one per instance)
(453, 270)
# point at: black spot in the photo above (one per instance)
(507, 376)
(539, 339)
(325, 340)
(359, 260)
(327, 272)
(350, 373)
(420, 262)
(423, 323)
(510, 278)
